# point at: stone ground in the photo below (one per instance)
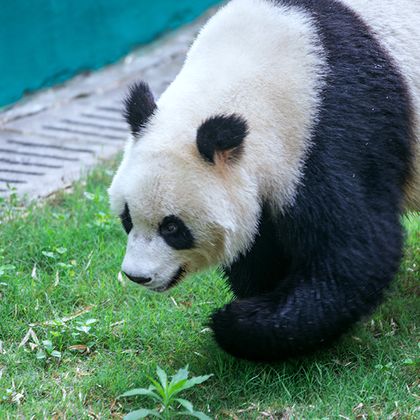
(50, 139)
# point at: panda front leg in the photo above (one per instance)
(307, 312)
(263, 267)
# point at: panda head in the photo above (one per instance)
(183, 195)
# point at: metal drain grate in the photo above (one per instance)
(48, 141)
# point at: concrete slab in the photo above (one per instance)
(48, 140)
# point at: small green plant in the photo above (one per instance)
(414, 363)
(47, 351)
(9, 206)
(56, 259)
(57, 332)
(165, 393)
(73, 335)
(83, 332)
(11, 395)
(5, 269)
(52, 255)
(95, 197)
(102, 220)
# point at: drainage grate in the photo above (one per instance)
(82, 133)
(50, 146)
(95, 125)
(49, 140)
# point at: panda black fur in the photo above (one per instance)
(296, 192)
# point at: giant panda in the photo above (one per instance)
(285, 152)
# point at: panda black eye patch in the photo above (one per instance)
(126, 219)
(175, 233)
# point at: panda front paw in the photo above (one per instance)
(222, 323)
(234, 330)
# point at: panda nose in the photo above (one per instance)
(139, 280)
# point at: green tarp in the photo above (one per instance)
(43, 42)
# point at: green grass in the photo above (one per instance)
(62, 259)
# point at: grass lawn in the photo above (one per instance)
(59, 281)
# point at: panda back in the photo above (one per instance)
(396, 25)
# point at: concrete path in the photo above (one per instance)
(53, 137)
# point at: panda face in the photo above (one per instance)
(178, 220)
(185, 208)
(146, 241)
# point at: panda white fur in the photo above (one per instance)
(283, 151)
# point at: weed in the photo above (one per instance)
(415, 363)
(6, 269)
(10, 206)
(46, 351)
(83, 333)
(72, 334)
(11, 395)
(164, 393)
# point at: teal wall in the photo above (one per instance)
(43, 42)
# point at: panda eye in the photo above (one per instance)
(175, 233)
(126, 219)
(170, 228)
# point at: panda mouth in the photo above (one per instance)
(179, 275)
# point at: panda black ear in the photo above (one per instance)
(220, 138)
(139, 107)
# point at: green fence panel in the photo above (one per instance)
(43, 42)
